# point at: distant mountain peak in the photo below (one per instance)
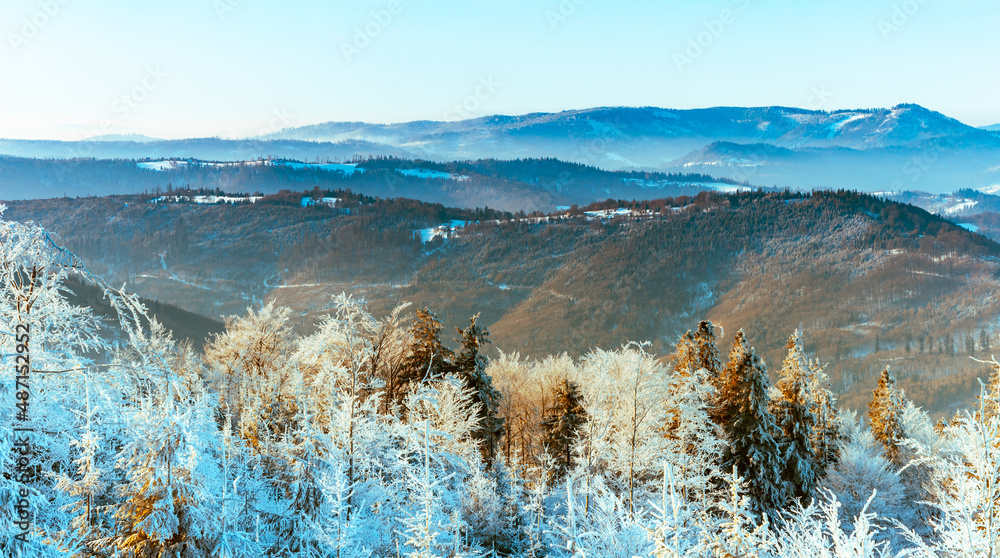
(137, 138)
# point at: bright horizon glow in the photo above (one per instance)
(237, 68)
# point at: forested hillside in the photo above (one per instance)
(874, 281)
(520, 185)
(369, 437)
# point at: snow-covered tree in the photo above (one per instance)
(792, 410)
(437, 458)
(862, 478)
(693, 447)
(751, 428)
(965, 484)
(51, 349)
(166, 504)
(562, 422)
(470, 366)
(428, 357)
(707, 351)
(251, 363)
(885, 416)
(624, 400)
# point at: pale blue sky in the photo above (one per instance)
(239, 67)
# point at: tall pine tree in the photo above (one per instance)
(750, 428)
(793, 411)
(427, 357)
(707, 351)
(470, 367)
(885, 412)
(693, 440)
(561, 423)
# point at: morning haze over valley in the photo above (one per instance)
(559, 279)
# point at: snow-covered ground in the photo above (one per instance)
(345, 168)
(969, 227)
(428, 173)
(608, 213)
(172, 164)
(836, 126)
(332, 202)
(159, 165)
(430, 233)
(960, 207)
(206, 199)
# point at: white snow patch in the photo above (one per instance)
(727, 188)
(331, 202)
(428, 173)
(993, 189)
(958, 208)
(607, 213)
(172, 164)
(206, 199)
(158, 166)
(347, 169)
(836, 126)
(430, 233)
(969, 227)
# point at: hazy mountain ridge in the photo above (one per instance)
(529, 185)
(208, 149)
(902, 125)
(903, 147)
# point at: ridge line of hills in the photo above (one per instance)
(870, 280)
(906, 147)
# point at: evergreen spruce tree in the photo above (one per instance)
(693, 444)
(686, 356)
(750, 428)
(561, 423)
(707, 352)
(470, 367)
(428, 356)
(984, 341)
(826, 433)
(885, 413)
(793, 411)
